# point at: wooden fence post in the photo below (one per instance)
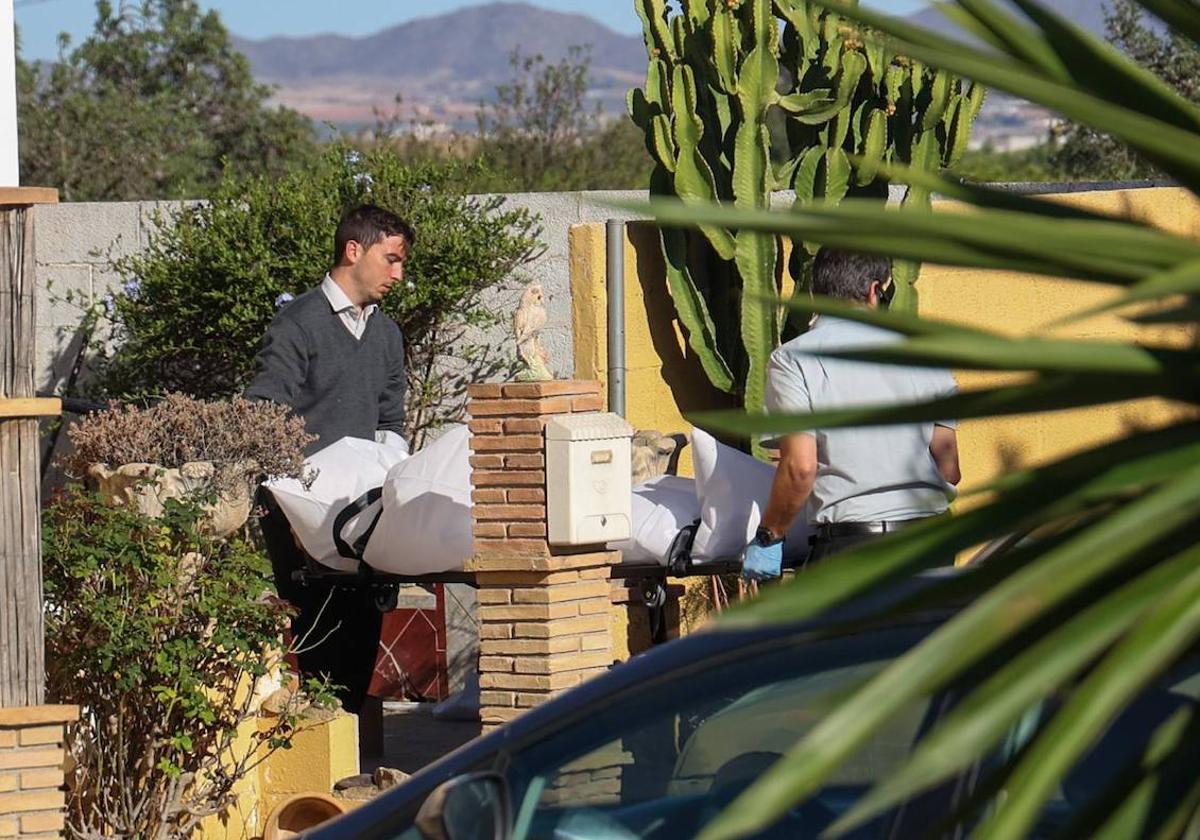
(22, 649)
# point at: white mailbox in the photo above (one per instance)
(588, 486)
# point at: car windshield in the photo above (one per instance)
(662, 761)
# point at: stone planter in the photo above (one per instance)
(148, 486)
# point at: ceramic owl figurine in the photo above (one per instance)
(528, 320)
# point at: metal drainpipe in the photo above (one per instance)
(615, 287)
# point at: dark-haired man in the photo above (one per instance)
(338, 362)
(853, 484)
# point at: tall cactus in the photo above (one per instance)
(722, 76)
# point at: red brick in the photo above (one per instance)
(508, 513)
(485, 390)
(497, 715)
(525, 462)
(550, 629)
(487, 462)
(508, 478)
(589, 403)
(46, 777)
(529, 495)
(564, 592)
(519, 408)
(486, 427)
(47, 821)
(31, 758)
(489, 496)
(507, 555)
(551, 388)
(493, 530)
(37, 736)
(507, 443)
(525, 426)
(41, 800)
(497, 698)
(527, 529)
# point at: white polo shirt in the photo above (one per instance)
(864, 474)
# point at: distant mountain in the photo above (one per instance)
(444, 66)
(1086, 13)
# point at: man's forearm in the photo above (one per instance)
(789, 493)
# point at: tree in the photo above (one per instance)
(196, 301)
(1101, 599)
(155, 103)
(1087, 154)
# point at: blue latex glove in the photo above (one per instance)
(762, 562)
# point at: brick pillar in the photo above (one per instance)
(32, 801)
(543, 612)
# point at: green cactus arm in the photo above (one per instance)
(808, 102)
(694, 180)
(638, 108)
(693, 312)
(658, 85)
(877, 58)
(925, 156)
(894, 83)
(697, 13)
(957, 131)
(805, 182)
(939, 99)
(663, 145)
(679, 35)
(874, 143)
(655, 31)
(833, 181)
(853, 65)
(796, 13)
(917, 79)
(727, 36)
(757, 255)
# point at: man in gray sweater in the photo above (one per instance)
(338, 361)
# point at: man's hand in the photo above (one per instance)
(761, 562)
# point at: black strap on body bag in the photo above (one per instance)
(354, 551)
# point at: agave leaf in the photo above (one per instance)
(982, 719)
(1164, 633)
(998, 615)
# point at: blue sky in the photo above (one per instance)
(40, 21)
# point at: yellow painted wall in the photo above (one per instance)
(664, 381)
(322, 753)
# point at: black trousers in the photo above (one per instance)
(336, 629)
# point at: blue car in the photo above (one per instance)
(657, 747)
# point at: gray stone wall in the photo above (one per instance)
(76, 241)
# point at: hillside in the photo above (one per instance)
(444, 66)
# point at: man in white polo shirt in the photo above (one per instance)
(853, 484)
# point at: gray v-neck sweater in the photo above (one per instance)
(340, 385)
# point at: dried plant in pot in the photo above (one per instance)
(179, 447)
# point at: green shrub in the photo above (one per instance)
(156, 630)
(197, 299)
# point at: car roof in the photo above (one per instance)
(656, 664)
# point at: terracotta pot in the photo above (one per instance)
(148, 486)
(299, 813)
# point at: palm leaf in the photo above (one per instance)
(1007, 608)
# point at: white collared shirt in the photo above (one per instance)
(354, 319)
(356, 322)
